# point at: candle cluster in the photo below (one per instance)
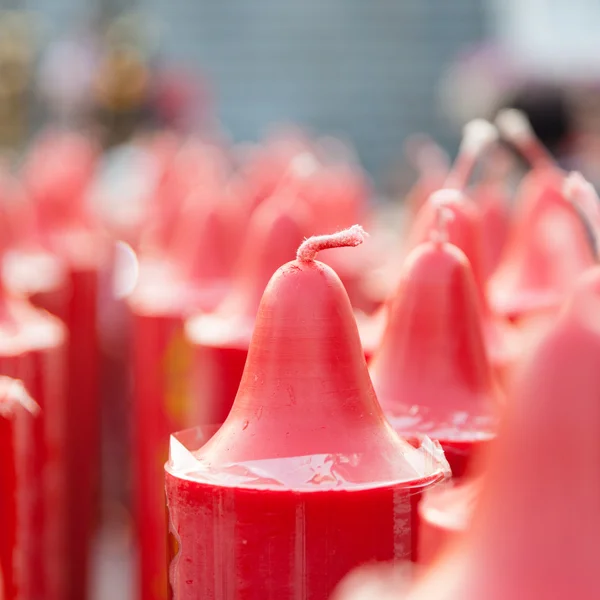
(316, 411)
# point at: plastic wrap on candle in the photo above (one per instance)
(463, 437)
(229, 540)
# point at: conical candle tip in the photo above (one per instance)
(353, 236)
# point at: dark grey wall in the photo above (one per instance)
(365, 68)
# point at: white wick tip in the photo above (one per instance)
(353, 236)
(478, 135)
(514, 125)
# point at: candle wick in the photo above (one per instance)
(515, 127)
(478, 136)
(442, 201)
(584, 198)
(353, 236)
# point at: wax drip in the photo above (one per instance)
(478, 136)
(514, 126)
(584, 198)
(353, 236)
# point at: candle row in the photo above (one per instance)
(308, 406)
(52, 254)
(263, 507)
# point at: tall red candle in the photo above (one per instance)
(168, 291)
(431, 372)
(305, 479)
(57, 174)
(17, 411)
(32, 349)
(221, 339)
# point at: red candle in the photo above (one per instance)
(547, 249)
(167, 293)
(305, 479)
(32, 349)
(17, 411)
(464, 230)
(221, 339)
(57, 175)
(431, 372)
(537, 515)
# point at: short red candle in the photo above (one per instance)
(431, 371)
(305, 479)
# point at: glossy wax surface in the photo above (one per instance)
(431, 372)
(304, 455)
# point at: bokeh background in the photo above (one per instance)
(371, 73)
